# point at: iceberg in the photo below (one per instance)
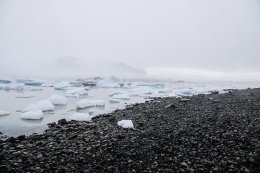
(32, 115)
(114, 101)
(4, 113)
(80, 117)
(110, 82)
(43, 105)
(58, 100)
(13, 86)
(126, 123)
(61, 85)
(121, 96)
(141, 91)
(85, 103)
(76, 92)
(153, 85)
(5, 80)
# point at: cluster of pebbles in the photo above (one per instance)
(203, 133)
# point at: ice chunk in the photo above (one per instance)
(85, 103)
(61, 85)
(4, 113)
(43, 105)
(80, 117)
(141, 91)
(58, 100)
(5, 80)
(13, 86)
(126, 123)
(121, 96)
(165, 91)
(76, 91)
(110, 82)
(153, 85)
(32, 115)
(185, 92)
(91, 111)
(114, 101)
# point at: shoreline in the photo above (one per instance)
(215, 132)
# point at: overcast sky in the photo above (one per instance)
(178, 39)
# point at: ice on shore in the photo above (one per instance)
(126, 123)
(80, 117)
(121, 96)
(76, 92)
(61, 85)
(85, 103)
(43, 105)
(110, 82)
(4, 113)
(58, 100)
(32, 115)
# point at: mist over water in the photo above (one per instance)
(191, 40)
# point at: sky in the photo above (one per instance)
(167, 39)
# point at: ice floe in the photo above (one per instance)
(4, 113)
(80, 117)
(114, 101)
(121, 96)
(138, 91)
(85, 103)
(61, 85)
(110, 82)
(76, 92)
(126, 123)
(43, 105)
(5, 80)
(58, 100)
(32, 115)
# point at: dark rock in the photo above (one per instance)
(62, 121)
(21, 137)
(4, 169)
(11, 140)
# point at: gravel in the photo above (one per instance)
(203, 133)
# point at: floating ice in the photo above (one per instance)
(76, 91)
(121, 96)
(61, 85)
(43, 105)
(4, 113)
(114, 101)
(85, 103)
(165, 91)
(5, 80)
(110, 82)
(12, 86)
(80, 117)
(126, 123)
(32, 115)
(185, 92)
(141, 91)
(58, 99)
(153, 85)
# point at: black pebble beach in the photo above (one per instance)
(200, 134)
